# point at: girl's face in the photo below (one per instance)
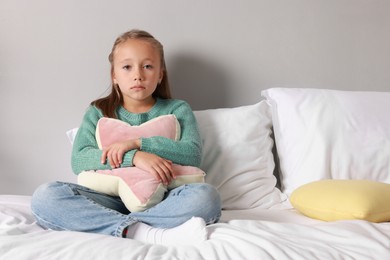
(137, 71)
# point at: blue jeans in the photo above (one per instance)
(68, 206)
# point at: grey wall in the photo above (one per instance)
(53, 62)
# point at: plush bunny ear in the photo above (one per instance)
(137, 188)
(109, 130)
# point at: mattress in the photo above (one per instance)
(276, 233)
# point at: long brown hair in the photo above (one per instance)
(110, 103)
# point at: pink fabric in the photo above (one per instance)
(142, 183)
(112, 130)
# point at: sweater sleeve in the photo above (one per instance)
(86, 153)
(187, 150)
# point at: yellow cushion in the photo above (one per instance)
(331, 200)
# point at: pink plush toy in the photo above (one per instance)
(137, 188)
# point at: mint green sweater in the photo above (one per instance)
(186, 151)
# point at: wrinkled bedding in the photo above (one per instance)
(276, 233)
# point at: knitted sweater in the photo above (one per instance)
(186, 151)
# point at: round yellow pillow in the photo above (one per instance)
(331, 200)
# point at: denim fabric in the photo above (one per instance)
(68, 206)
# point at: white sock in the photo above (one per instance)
(191, 232)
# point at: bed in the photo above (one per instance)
(259, 157)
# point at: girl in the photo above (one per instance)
(140, 92)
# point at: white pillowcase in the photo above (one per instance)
(237, 155)
(71, 134)
(330, 134)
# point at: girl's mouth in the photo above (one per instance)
(137, 88)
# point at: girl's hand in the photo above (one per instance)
(114, 153)
(159, 167)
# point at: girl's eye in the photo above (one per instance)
(126, 67)
(148, 66)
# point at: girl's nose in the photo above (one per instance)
(138, 75)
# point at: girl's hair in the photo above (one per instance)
(110, 103)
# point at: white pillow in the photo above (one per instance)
(71, 134)
(237, 155)
(330, 134)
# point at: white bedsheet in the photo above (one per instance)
(245, 234)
